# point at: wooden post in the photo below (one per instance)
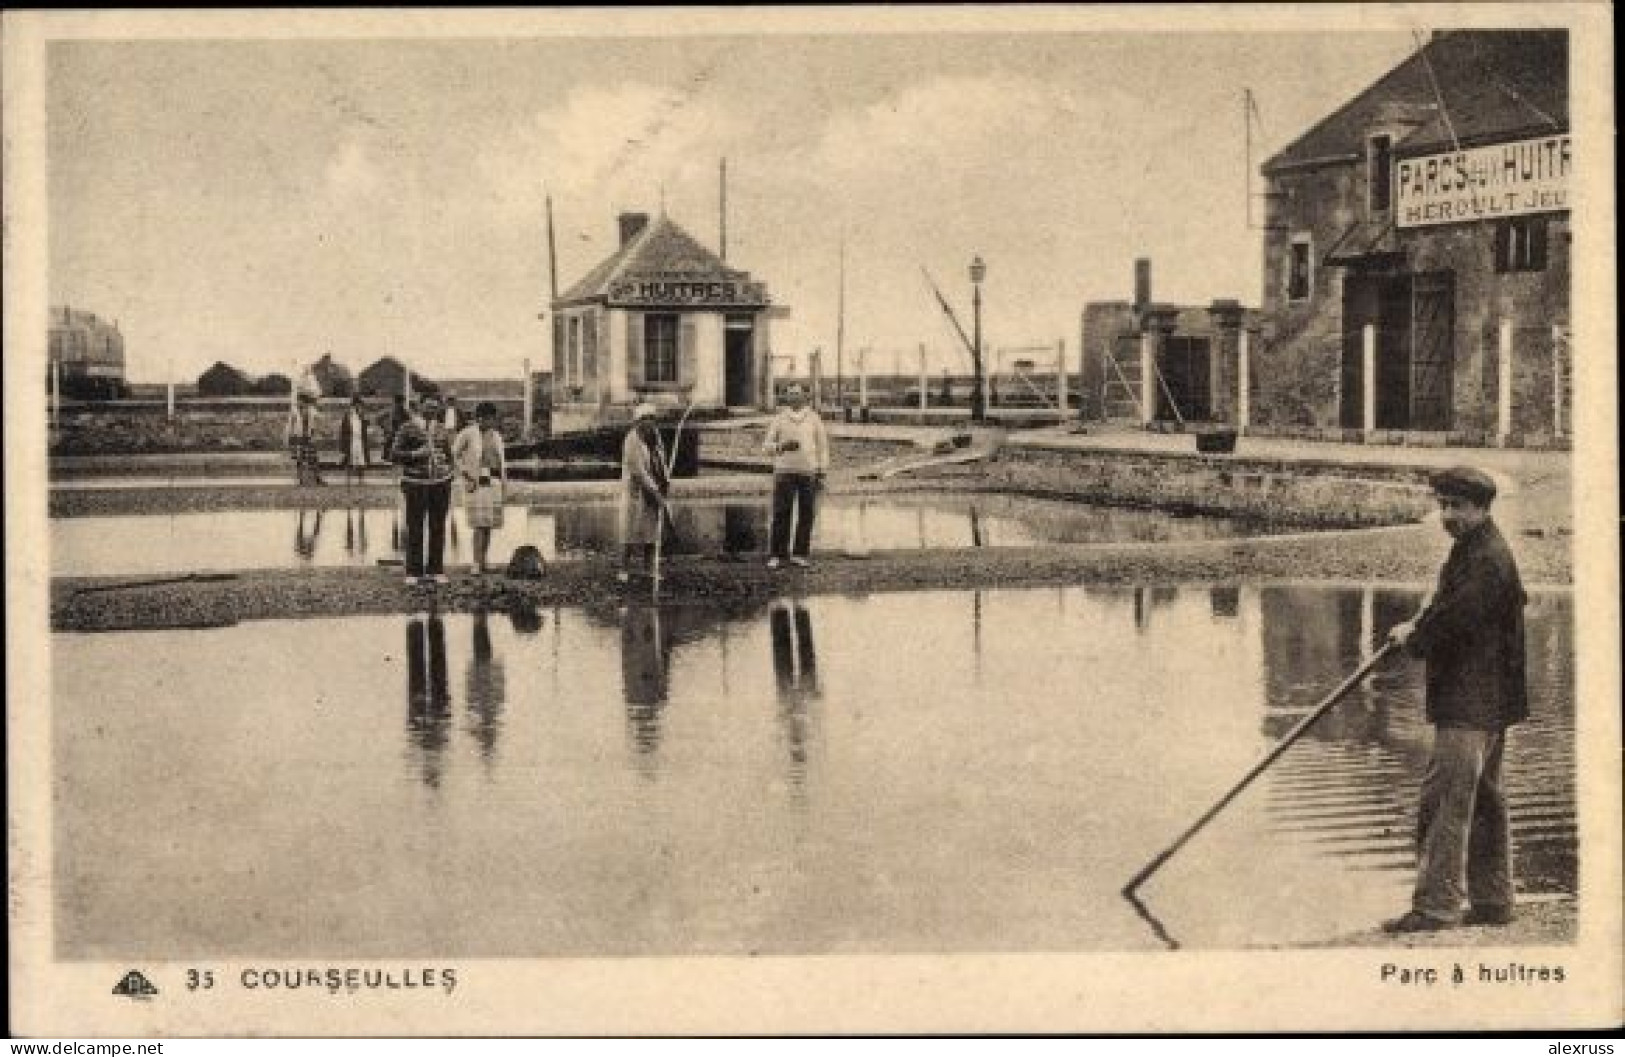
(863, 378)
(1503, 395)
(56, 392)
(1561, 364)
(924, 402)
(815, 378)
(1368, 380)
(1148, 378)
(169, 398)
(1244, 389)
(1060, 378)
(524, 432)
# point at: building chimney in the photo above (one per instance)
(1142, 283)
(632, 224)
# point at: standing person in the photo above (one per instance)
(644, 483)
(301, 436)
(1470, 635)
(800, 452)
(423, 451)
(355, 447)
(482, 474)
(398, 415)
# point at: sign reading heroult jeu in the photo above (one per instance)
(703, 292)
(1484, 183)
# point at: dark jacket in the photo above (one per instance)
(1472, 636)
(344, 439)
(423, 452)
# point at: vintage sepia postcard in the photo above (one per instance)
(964, 519)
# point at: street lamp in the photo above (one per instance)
(978, 272)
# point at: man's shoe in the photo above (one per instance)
(623, 577)
(1488, 914)
(441, 578)
(411, 581)
(1414, 921)
(773, 563)
(801, 562)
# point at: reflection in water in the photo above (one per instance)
(116, 545)
(487, 687)
(946, 817)
(428, 698)
(795, 673)
(525, 617)
(645, 667)
(355, 532)
(304, 544)
(1351, 785)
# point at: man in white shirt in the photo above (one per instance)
(800, 450)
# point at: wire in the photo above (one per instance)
(1488, 70)
(1444, 111)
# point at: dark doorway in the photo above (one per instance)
(1433, 363)
(1187, 380)
(739, 367)
(1414, 317)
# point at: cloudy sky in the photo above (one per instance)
(264, 202)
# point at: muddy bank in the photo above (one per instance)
(1536, 924)
(1403, 555)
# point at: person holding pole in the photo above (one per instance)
(1470, 634)
(644, 484)
(800, 450)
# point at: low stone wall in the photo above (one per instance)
(1320, 495)
(213, 426)
(743, 445)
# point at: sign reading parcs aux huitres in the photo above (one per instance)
(1484, 183)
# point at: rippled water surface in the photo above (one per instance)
(251, 539)
(945, 771)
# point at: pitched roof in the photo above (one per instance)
(661, 249)
(1494, 85)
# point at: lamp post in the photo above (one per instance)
(978, 271)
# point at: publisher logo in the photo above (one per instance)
(134, 985)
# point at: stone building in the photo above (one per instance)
(1162, 365)
(88, 351)
(661, 319)
(1417, 253)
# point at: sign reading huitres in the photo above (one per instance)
(706, 291)
(1484, 183)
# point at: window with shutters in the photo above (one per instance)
(1380, 165)
(1299, 279)
(589, 349)
(1520, 245)
(575, 350)
(660, 348)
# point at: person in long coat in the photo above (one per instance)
(644, 483)
(301, 436)
(355, 441)
(1471, 636)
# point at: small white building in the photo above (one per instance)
(662, 319)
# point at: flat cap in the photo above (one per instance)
(1465, 482)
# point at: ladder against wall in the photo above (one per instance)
(1120, 392)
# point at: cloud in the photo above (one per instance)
(957, 122)
(612, 145)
